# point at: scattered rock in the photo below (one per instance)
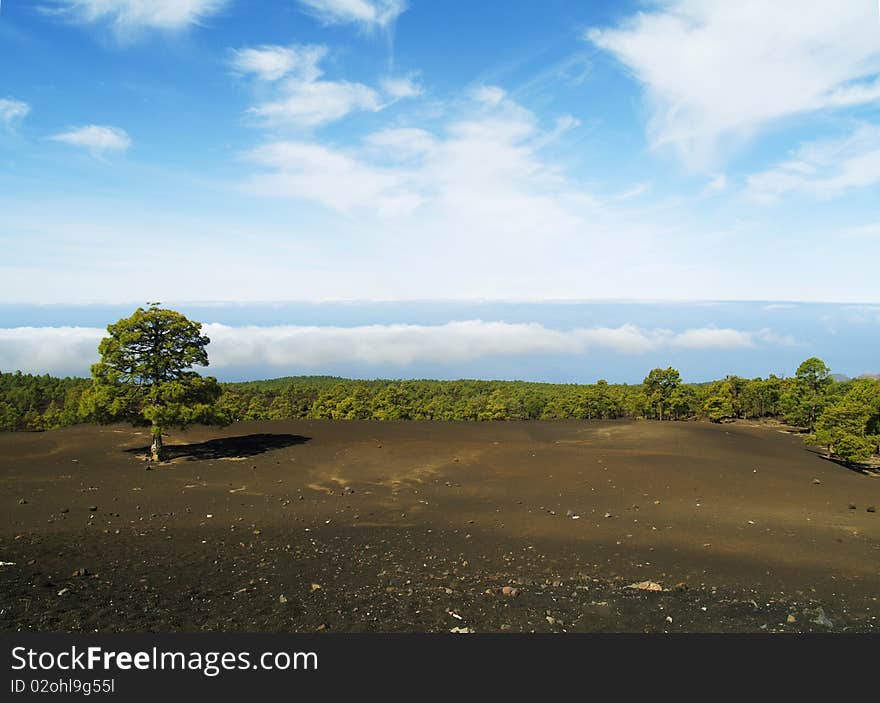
(646, 586)
(462, 630)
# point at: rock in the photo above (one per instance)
(816, 482)
(93, 508)
(316, 587)
(791, 619)
(63, 591)
(81, 572)
(462, 630)
(22, 501)
(510, 591)
(669, 619)
(65, 510)
(646, 586)
(821, 618)
(607, 515)
(321, 627)
(680, 587)
(871, 509)
(553, 621)
(348, 490)
(852, 506)
(282, 598)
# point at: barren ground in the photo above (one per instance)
(365, 526)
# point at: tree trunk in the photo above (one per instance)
(156, 447)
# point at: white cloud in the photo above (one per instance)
(300, 98)
(271, 62)
(13, 110)
(401, 87)
(96, 138)
(824, 168)
(369, 14)
(481, 174)
(315, 103)
(56, 350)
(72, 349)
(130, 15)
(717, 71)
(331, 178)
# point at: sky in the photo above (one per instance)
(476, 166)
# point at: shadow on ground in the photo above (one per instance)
(227, 447)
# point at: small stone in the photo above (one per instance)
(816, 482)
(791, 619)
(510, 591)
(321, 627)
(93, 508)
(646, 586)
(22, 501)
(550, 619)
(669, 619)
(282, 598)
(63, 591)
(852, 506)
(316, 587)
(871, 509)
(65, 510)
(80, 572)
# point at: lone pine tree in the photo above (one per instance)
(145, 374)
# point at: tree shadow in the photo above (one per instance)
(227, 447)
(859, 468)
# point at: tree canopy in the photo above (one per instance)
(145, 374)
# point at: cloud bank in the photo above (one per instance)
(294, 349)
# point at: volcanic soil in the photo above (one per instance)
(417, 526)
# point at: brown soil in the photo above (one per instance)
(364, 526)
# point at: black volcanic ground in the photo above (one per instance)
(366, 526)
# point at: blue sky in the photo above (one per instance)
(320, 150)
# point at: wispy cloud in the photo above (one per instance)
(716, 72)
(271, 62)
(824, 168)
(369, 14)
(96, 138)
(301, 98)
(126, 16)
(72, 349)
(11, 111)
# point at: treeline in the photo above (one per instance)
(841, 416)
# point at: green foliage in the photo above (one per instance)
(850, 427)
(802, 401)
(145, 374)
(659, 386)
(846, 415)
